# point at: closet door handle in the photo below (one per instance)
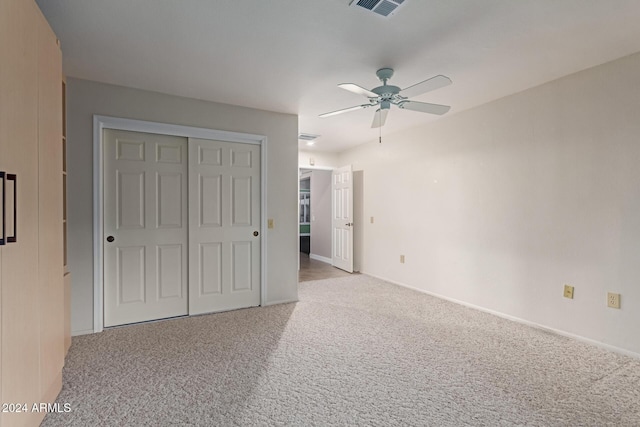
(14, 238)
(4, 211)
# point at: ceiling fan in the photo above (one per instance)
(385, 95)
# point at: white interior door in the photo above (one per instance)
(224, 230)
(145, 227)
(342, 218)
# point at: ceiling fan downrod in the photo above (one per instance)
(384, 74)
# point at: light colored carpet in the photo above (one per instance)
(352, 351)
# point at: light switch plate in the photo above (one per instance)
(568, 291)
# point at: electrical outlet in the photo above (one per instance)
(401, 259)
(269, 223)
(568, 291)
(613, 300)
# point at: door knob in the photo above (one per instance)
(110, 239)
(255, 233)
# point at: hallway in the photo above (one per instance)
(311, 269)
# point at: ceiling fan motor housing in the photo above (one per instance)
(387, 95)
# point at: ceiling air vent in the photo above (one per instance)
(309, 137)
(381, 7)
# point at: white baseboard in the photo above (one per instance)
(82, 332)
(516, 319)
(321, 258)
(284, 301)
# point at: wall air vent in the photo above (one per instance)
(381, 7)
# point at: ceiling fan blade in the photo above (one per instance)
(425, 107)
(426, 86)
(379, 118)
(358, 89)
(344, 110)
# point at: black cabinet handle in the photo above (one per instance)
(4, 212)
(14, 238)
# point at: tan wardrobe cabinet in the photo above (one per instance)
(32, 329)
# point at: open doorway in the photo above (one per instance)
(315, 214)
(305, 212)
(315, 225)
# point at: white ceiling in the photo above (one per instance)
(289, 55)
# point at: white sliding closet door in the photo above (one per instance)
(145, 227)
(224, 225)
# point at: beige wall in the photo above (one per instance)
(86, 98)
(500, 206)
(321, 213)
(318, 158)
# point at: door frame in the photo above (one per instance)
(106, 122)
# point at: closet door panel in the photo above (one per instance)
(19, 136)
(50, 250)
(3, 88)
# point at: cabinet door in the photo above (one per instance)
(19, 139)
(50, 250)
(1, 399)
(3, 64)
